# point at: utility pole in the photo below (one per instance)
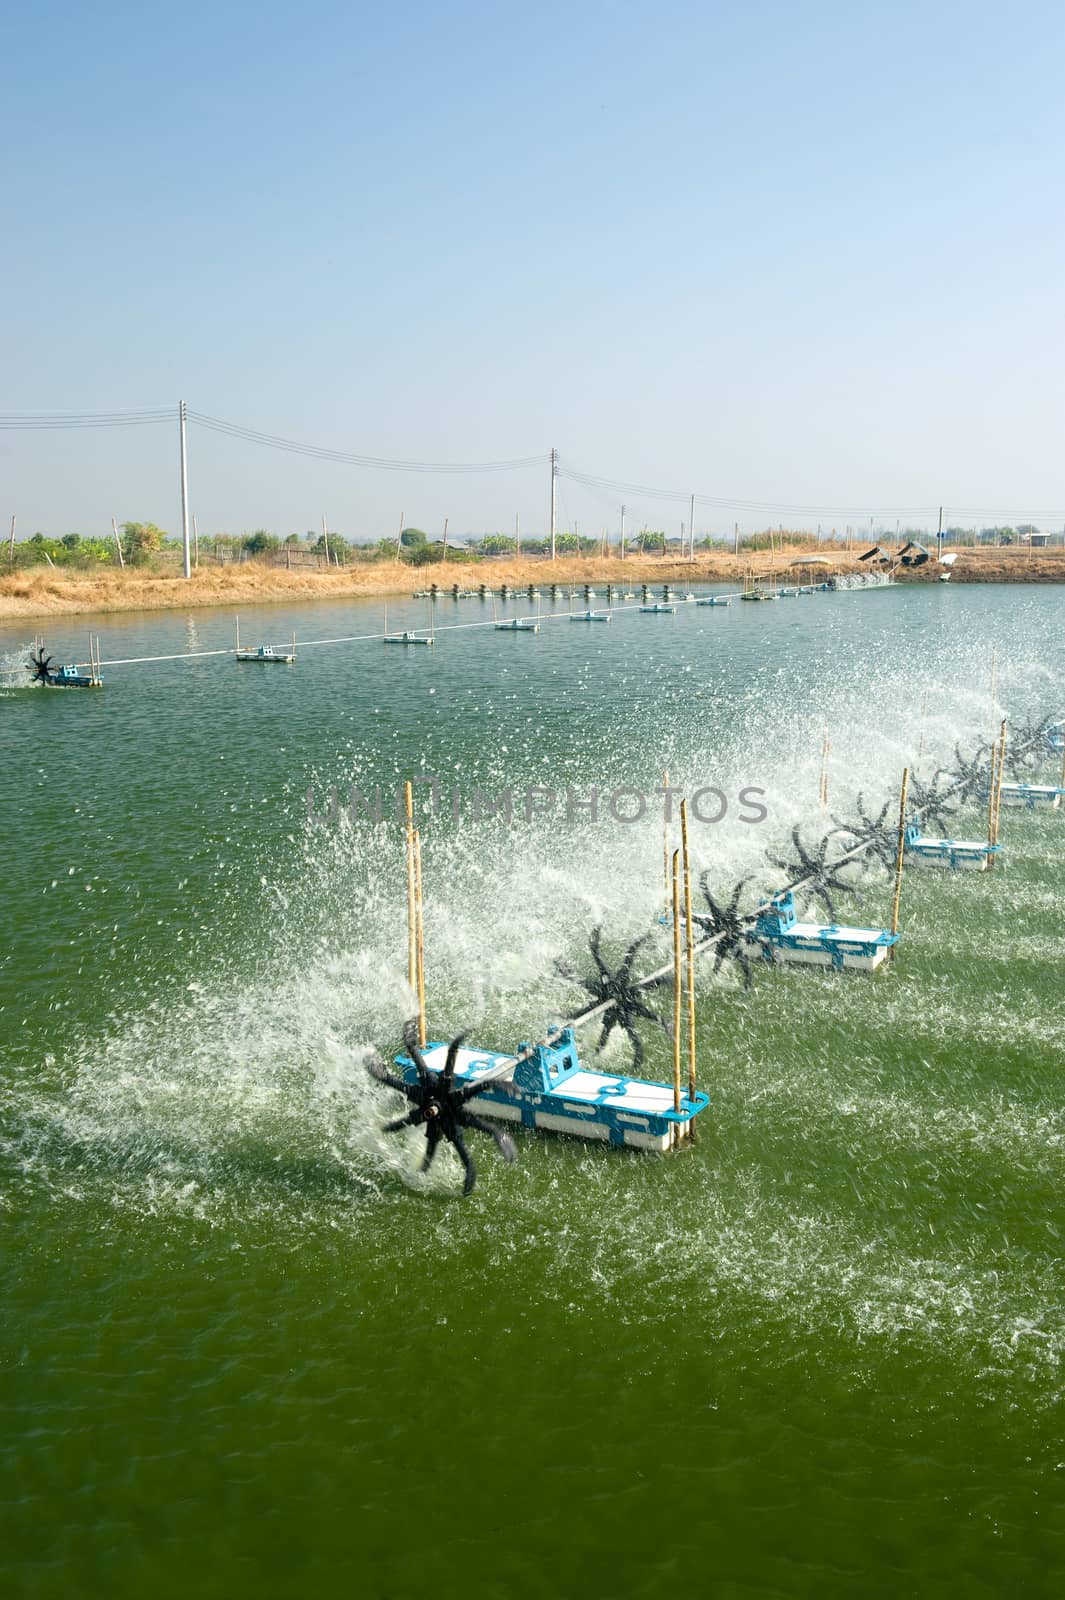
(184, 493)
(118, 542)
(623, 533)
(444, 557)
(554, 498)
(399, 535)
(735, 538)
(12, 552)
(691, 531)
(939, 535)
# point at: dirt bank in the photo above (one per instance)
(997, 566)
(46, 591)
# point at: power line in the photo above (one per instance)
(618, 487)
(145, 417)
(351, 458)
(682, 496)
(599, 486)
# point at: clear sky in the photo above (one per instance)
(793, 255)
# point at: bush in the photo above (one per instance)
(260, 542)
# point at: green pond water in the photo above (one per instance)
(246, 1350)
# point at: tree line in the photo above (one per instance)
(144, 544)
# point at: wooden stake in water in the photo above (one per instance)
(677, 982)
(667, 804)
(992, 790)
(826, 749)
(690, 937)
(420, 941)
(1001, 773)
(412, 913)
(994, 680)
(900, 855)
(236, 624)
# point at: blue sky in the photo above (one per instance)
(804, 256)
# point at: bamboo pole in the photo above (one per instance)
(690, 934)
(994, 679)
(665, 839)
(900, 856)
(1001, 776)
(677, 983)
(710, 941)
(826, 748)
(992, 788)
(420, 942)
(412, 914)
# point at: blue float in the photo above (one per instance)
(545, 1086)
(783, 938)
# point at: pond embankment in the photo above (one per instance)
(47, 591)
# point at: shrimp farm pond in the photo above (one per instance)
(807, 1342)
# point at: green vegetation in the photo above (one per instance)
(260, 542)
(147, 546)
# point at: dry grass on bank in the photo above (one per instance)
(47, 591)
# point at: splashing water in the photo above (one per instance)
(238, 1097)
